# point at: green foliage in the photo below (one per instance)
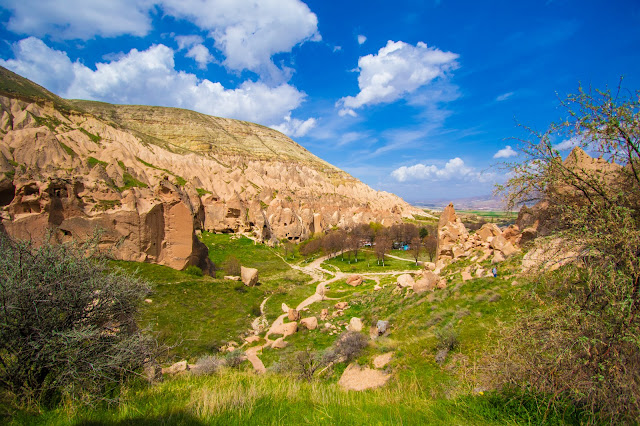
(50, 122)
(263, 205)
(104, 205)
(581, 342)
(92, 162)
(179, 180)
(202, 192)
(94, 138)
(67, 326)
(193, 270)
(68, 149)
(232, 265)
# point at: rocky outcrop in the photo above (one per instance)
(150, 177)
(249, 276)
(455, 242)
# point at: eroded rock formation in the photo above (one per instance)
(150, 177)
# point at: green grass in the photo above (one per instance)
(362, 265)
(202, 192)
(92, 162)
(233, 397)
(179, 180)
(68, 149)
(50, 122)
(94, 138)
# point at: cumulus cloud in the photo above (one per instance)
(250, 32)
(247, 32)
(505, 152)
(200, 54)
(294, 128)
(361, 39)
(149, 77)
(396, 70)
(79, 19)
(454, 169)
(504, 96)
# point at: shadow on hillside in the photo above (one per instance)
(174, 419)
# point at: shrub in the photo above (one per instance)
(208, 365)
(193, 270)
(232, 265)
(234, 359)
(67, 325)
(350, 345)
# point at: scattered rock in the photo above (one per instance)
(354, 280)
(498, 257)
(286, 329)
(429, 266)
(293, 315)
(284, 308)
(324, 314)
(377, 287)
(148, 301)
(341, 305)
(382, 326)
(466, 276)
(357, 378)
(381, 360)
(178, 367)
(252, 339)
(310, 323)
(279, 343)
(249, 276)
(355, 324)
(232, 277)
(405, 280)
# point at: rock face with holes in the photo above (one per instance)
(150, 177)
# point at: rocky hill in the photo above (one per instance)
(151, 177)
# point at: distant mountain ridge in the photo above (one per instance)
(481, 202)
(153, 176)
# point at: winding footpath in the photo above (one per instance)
(317, 273)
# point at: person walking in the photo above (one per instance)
(495, 272)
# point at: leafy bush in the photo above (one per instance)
(232, 265)
(193, 270)
(67, 325)
(581, 341)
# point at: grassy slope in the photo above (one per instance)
(200, 314)
(205, 310)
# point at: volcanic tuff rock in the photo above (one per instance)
(151, 176)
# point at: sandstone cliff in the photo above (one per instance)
(150, 177)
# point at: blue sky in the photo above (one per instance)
(414, 97)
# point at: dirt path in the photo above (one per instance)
(317, 273)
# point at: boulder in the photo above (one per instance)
(249, 276)
(341, 305)
(405, 280)
(279, 343)
(293, 315)
(381, 360)
(324, 314)
(355, 324)
(232, 277)
(382, 326)
(178, 367)
(429, 266)
(498, 257)
(354, 280)
(488, 231)
(284, 308)
(466, 276)
(286, 329)
(310, 323)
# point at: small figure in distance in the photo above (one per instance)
(495, 272)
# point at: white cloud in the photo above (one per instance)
(186, 41)
(397, 70)
(454, 169)
(570, 143)
(505, 152)
(79, 19)
(200, 54)
(361, 39)
(149, 77)
(347, 111)
(504, 96)
(247, 32)
(250, 32)
(294, 128)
